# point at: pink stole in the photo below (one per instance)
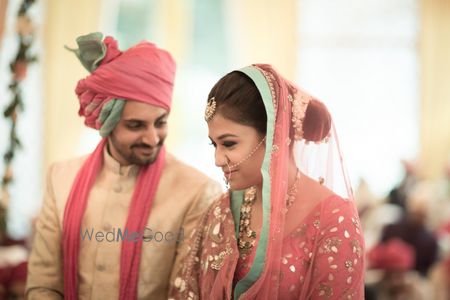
(138, 213)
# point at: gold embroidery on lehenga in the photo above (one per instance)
(316, 224)
(356, 247)
(325, 290)
(219, 259)
(349, 265)
(331, 245)
(215, 233)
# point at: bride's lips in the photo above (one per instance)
(227, 174)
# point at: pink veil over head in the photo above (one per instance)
(297, 121)
(300, 130)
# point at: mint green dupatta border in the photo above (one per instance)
(237, 196)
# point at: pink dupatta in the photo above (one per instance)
(293, 116)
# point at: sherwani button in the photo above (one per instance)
(101, 268)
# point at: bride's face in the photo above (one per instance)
(233, 143)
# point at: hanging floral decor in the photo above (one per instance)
(25, 35)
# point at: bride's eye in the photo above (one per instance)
(229, 144)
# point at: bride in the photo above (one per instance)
(287, 228)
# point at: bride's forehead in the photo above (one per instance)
(220, 126)
(221, 122)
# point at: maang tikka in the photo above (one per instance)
(210, 109)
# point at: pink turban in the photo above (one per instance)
(143, 73)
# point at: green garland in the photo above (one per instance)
(18, 67)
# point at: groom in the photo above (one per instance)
(128, 185)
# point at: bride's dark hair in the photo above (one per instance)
(238, 99)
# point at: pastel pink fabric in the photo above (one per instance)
(312, 255)
(322, 259)
(143, 73)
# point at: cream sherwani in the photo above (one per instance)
(182, 195)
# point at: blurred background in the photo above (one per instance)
(381, 66)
